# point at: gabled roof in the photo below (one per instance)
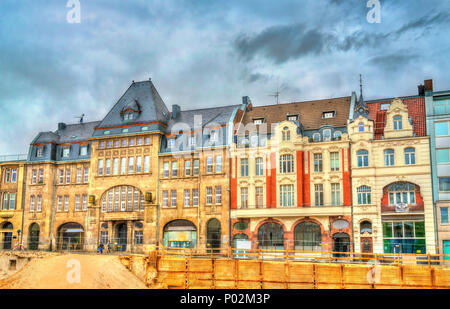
(142, 95)
(310, 113)
(416, 111)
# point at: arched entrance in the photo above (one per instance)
(7, 236)
(180, 234)
(33, 237)
(121, 233)
(307, 237)
(213, 234)
(70, 236)
(365, 229)
(341, 243)
(271, 236)
(238, 237)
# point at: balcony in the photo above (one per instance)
(253, 211)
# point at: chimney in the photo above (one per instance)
(175, 111)
(61, 126)
(421, 89)
(429, 85)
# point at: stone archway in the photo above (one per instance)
(70, 236)
(180, 234)
(33, 236)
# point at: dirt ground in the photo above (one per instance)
(61, 272)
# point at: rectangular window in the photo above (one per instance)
(41, 175)
(78, 179)
(442, 128)
(166, 169)
(66, 152)
(115, 166)
(5, 201)
(404, 237)
(86, 174)
(104, 237)
(218, 192)
(194, 197)
(187, 168)
(83, 151)
(138, 164)
(100, 167)
(335, 194)
(61, 176)
(32, 203)
(187, 197)
(218, 164)
(77, 202)
(209, 164)
(12, 201)
(444, 215)
(108, 167)
(244, 167)
(67, 175)
(318, 162)
(33, 176)
(7, 175)
(209, 195)
(130, 165)
(146, 164)
(123, 199)
(14, 175)
(138, 237)
(196, 167)
(443, 155)
(259, 197)
(139, 141)
(66, 203)
(59, 203)
(147, 141)
(444, 184)
(173, 198)
(174, 169)
(259, 164)
(334, 161)
(286, 195)
(244, 197)
(318, 188)
(84, 202)
(123, 166)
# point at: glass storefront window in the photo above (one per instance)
(419, 228)
(404, 237)
(387, 229)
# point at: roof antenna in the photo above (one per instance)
(81, 118)
(276, 94)
(360, 87)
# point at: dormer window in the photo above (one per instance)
(330, 114)
(124, 130)
(106, 132)
(66, 152)
(192, 141)
(398, 123)
(327, 135)
(258, 121)
(292, 117)
(316, 137)
(171, 142)
(83, 150)
(286, 134)
(214, 136)
(337, 134)
(40, 152)
(385, 106)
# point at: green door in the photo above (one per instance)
(447, 249)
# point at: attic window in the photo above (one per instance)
(83, 150)
(40, 152)
(385, 106)
(330, 114)
(292, 117)
(214, 136)
(258, 121)
(171, 142)
(144, 129)
(106, 132)
(66, 152)
(124, 130)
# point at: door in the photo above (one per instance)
(33, 240)
(341, 243)
(446, 244)
(122, 237)
(7, 239)
(366, 245)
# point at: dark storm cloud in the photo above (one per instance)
(393, 62)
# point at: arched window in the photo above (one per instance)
(327, 135)
(286, 134)
(402, 192)
(122, 198)
(365, 227)
(389, 157)
(307, 237)
(271, 236)
(337, 135)
(286, 164)
(362, 157)
(70, 236)
(364, 195)
(316, 137)
(213, 231)
(410, 156)
(33, 236)
(180, 234)
(361, 127)
(398, 123)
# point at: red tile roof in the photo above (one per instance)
(416, 111)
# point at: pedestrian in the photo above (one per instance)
(101, 248)
(109, 247)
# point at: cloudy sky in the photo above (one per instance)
(204, 53)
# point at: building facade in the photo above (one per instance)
(438, 123)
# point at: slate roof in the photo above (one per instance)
(310, 113)
(150, 103)
(71, 133)
(214, 115)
